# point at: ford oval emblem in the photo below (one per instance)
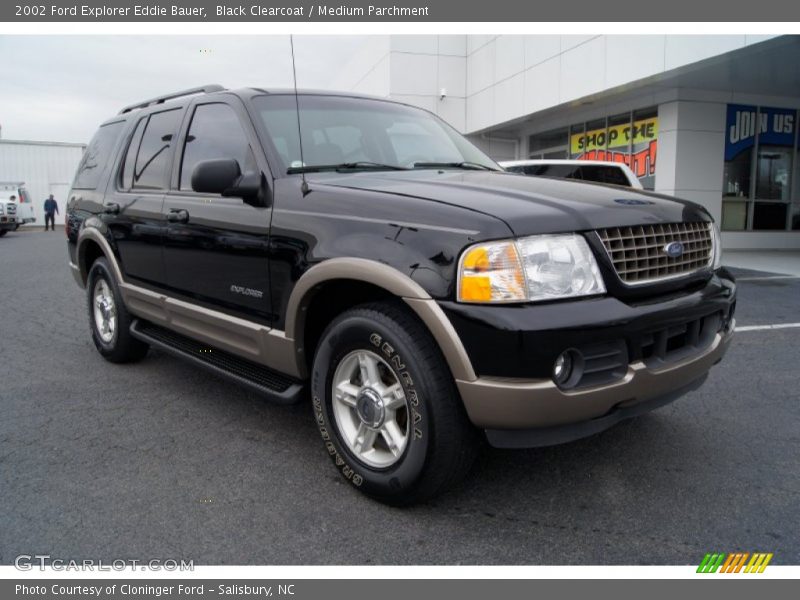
(674, 249)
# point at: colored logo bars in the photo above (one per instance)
(735, 562)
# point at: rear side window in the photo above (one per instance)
(126, 173)
(603, 174)
(215, 132)
(96, 156)
(151, 167)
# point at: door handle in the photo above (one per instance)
(112, 208)
(178, 215)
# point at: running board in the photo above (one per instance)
(276, 386)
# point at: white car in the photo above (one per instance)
(16, 207)
(598, 171)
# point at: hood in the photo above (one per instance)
(528, 205)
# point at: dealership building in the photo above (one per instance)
(709, 118)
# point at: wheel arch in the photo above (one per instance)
(92, 245)
(366, 280)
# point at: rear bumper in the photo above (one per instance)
(519, 413)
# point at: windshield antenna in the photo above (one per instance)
(304, 186)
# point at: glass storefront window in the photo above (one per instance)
(795, 216)
(769, 215)
(595, 137)
(619, 136)
(630, 138)
(760, 155)
(553, 141)
(645, 146)
(740, 132)
(772, 175)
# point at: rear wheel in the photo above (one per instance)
(387, 408)
(109, 320)
(3, 232)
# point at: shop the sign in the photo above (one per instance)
(613, 144)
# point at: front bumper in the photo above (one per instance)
(520, 414)
(639, 355)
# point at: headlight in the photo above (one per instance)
(540, 267)
(716, 240)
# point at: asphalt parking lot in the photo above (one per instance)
(162, 460)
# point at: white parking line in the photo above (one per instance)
(774, 326)
(766, 277)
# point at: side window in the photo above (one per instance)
(215, 132)
(127, 170)
(96, 156)
(152, 161)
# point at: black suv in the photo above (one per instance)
(427, 299)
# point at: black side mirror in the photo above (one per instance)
(215, 176)
(224, 176)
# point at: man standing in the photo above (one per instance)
(50, 212)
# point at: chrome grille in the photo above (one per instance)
(639, 255)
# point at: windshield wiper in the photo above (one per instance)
(361, 164)
(472, 166)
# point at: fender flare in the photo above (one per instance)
(92, 234)
(393, 281)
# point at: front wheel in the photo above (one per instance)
(387, 408)
(109, 319)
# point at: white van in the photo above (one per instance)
(16, 207)
(598, 171)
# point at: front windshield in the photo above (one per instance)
(363, 133)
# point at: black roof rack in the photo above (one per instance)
(206, 89)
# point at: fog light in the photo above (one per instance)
(562, 370)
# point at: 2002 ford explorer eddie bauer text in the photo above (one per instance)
(425, 297)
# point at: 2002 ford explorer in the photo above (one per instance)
(424, 299)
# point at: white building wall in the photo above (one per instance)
(691, 142)
(510, 76)
(414, 69)
(367, 72)
(46, 168)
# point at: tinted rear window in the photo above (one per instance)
(153, 158)
(126, 172)
(603, 174)
(563, 171)
(97, 156)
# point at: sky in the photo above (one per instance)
(60, 88)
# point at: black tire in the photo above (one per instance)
(442, 443)
(3, 232)
(122, 347)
